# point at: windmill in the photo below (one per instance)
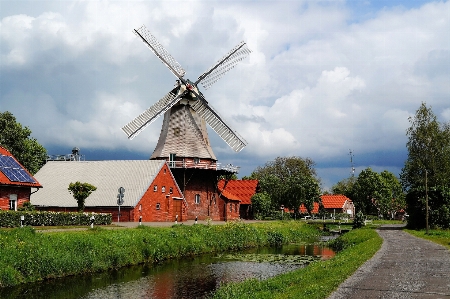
(185, 108)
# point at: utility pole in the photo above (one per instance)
(351, 163)
(426, 199)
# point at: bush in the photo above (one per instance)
(358, 221)
(34, 218)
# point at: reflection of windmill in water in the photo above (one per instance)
(184, 139)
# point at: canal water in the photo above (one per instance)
(195, 277)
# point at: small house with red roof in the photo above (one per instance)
(237, 195)
(333, 204)
(16, 183)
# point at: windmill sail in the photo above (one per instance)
(133, 128)
(232, 138)
(229, 61)
(151, 42)
(187, 90)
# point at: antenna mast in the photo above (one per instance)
(351, 163)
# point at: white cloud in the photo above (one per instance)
(315, 85)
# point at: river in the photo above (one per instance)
(192, 277)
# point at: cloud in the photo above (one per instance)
(320, 79)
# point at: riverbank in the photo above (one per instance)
(317, 280)
(28, 256)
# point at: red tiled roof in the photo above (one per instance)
(334, 201)
(4, 180)
(241, 190)
(329, 201)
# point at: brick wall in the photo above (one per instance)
(23, 194)
(158, 202)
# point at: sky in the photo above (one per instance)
(324, 77)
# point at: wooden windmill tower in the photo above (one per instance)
(184, 141)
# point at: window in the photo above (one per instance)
(140, 207)
(158, 206)
(163, 189)
(235, 207)
(196, 160)
(13, 202)
(197, 198)
(155, 188)
(231, 207)
(170, 190)
(172, 160)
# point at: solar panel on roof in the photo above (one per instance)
(13, 171)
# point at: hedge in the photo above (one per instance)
(34, 218)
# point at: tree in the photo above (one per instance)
(289, 181)
(368, 191)
(344, 187)
(396, 201)
(428, 151)
(80, 192)
(426, 173)
(261, 205)
(16, 139)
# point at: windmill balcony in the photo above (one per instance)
(188, 163)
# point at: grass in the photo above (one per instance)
(319, 279)
(28, 256)
(435, 235)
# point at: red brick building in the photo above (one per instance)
(199, 184)
(16, 183)
(151, 192)
(237, 197)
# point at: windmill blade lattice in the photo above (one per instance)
(134, 127)
(212, 118)
(229, 61)
(159, 51)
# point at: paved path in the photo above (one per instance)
(404, 267)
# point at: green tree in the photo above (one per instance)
(80, 192)
(426, 172)
(17, 140)
(289, 181)
(367, 191)
(396, 197)
(344, 187)
(261, 205)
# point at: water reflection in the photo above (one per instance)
(188, 278)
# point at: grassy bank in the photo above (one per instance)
(317, 280)
(28, 256)
(437, 236)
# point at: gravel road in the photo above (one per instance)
(404, 267)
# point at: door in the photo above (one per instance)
(177, 210)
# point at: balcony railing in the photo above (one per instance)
(203, 165)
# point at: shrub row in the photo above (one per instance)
(34, 218)
(29, 256)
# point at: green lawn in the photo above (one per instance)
(438, 236)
